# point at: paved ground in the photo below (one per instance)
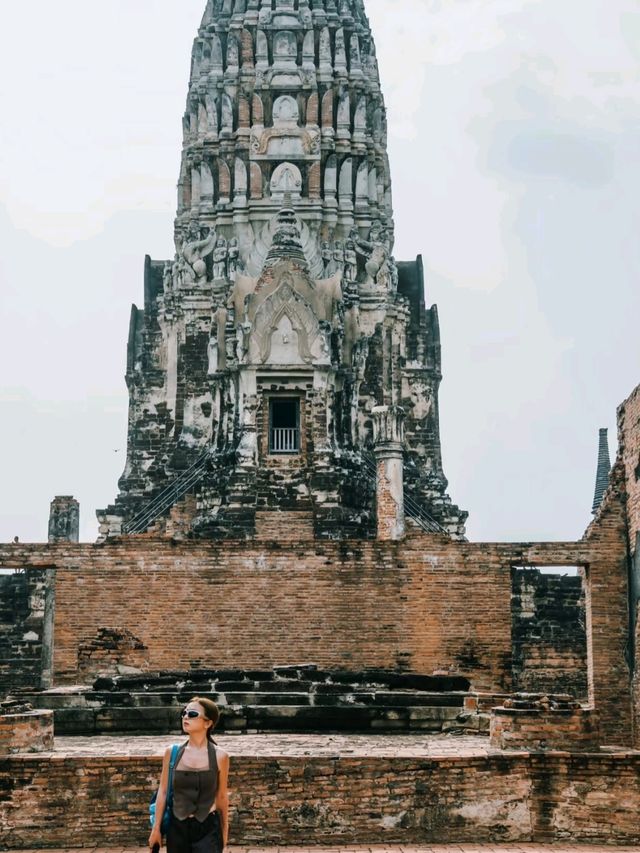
(283, 745)
(436, 848)
(286, 745)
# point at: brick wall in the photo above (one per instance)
(570, 729)
(607, 611)
(629, 459)
(629, 450)
(22, 620)
(549, 633)
(278, 800)
(635, 684)
(423, 604)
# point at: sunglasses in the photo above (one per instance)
(192, 715)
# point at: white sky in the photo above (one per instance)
(514, 139)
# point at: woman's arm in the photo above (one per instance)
(161, 799)
(222, 794)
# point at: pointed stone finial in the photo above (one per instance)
(287, 243)
(602, 473)
(64, 520)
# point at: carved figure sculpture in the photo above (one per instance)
(179, 272)
(212, 351)
(219, 334)
(327, 258)
(194, 250)
(243, 332)
(338, 256)
(233, 254)
(305, 13)
(167, 277)
(350, 262)
(375, 250)
(394, 275)
(220, 259)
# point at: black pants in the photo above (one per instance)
(191, 836)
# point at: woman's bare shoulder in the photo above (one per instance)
(169, 750)
(222, 755)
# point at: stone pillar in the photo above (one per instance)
(64, 520)
(388, 434)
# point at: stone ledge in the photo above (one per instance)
(534, 723)
(27, 732)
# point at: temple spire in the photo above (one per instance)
(283, 319)
(602, 473)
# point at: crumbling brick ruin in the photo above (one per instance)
(283, 540)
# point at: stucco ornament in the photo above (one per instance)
(195, 249)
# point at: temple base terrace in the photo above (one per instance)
(402, 792)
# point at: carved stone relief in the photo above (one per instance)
(286, 178)
(271, 337)
(285, 112)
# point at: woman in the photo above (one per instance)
(200, 818)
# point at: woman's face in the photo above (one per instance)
(192, 724)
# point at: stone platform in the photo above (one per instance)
(335, 789)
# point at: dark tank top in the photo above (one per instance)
(194, 791)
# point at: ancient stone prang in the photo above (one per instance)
(283, 319)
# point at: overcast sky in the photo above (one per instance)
(514, 140)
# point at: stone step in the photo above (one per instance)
(318, 698)
(285, 677)
(157, 719)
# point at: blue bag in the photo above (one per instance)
(166, 817)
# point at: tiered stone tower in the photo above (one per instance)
(284, 326)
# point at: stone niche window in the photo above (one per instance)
(548, 625)
(284, 425)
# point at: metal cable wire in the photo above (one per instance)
(168, 496)
(192, 476)
(412, 508)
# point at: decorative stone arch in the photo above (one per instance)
(286, 179)
(246, 42)
(256, 180)
(327, 111)
(284, 301)
(224, 182)
(257, 108)
(312, 109)
(286, 112)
